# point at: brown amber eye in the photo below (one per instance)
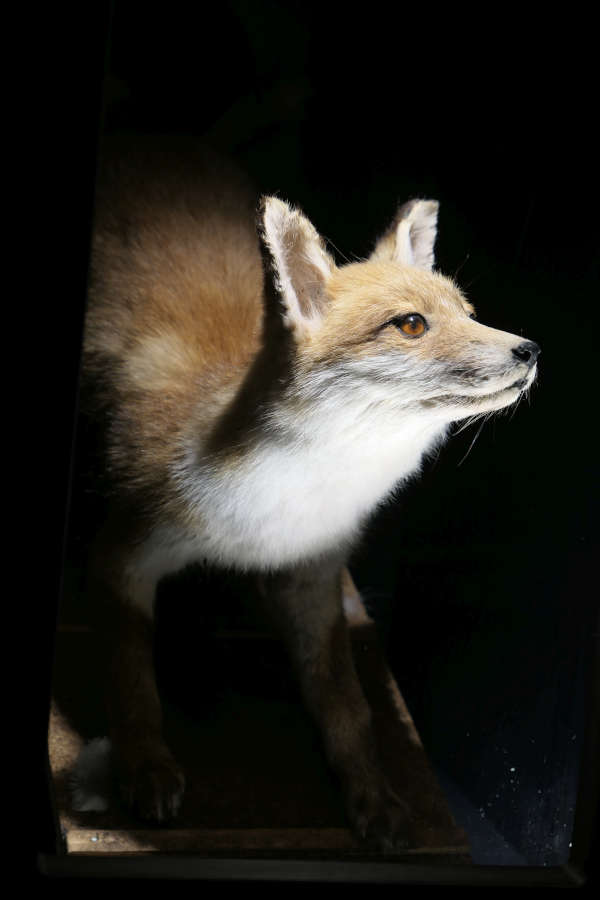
(413, 325)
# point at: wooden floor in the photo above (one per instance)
(257, 784)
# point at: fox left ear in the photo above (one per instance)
(411, 237)
(299, 262)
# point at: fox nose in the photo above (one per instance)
(527, 352)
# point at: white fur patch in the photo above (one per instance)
(290, 501)
(284, 504)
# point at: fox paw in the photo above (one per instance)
(379, 817)
(152, 785)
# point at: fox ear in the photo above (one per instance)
(299, 263)
(410, 238)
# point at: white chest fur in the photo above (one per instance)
(282, 503)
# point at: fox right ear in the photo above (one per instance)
(300, 263)
(411, 237)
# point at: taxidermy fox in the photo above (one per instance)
(259, 402)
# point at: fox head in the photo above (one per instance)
(388, 332)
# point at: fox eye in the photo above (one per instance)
(413, 324)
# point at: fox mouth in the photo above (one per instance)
(503, 396)
(518, 385)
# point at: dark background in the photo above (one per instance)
(480, 574)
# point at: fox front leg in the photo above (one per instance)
(307, 607)
(150, 782)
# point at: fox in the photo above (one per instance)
(258, 402)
